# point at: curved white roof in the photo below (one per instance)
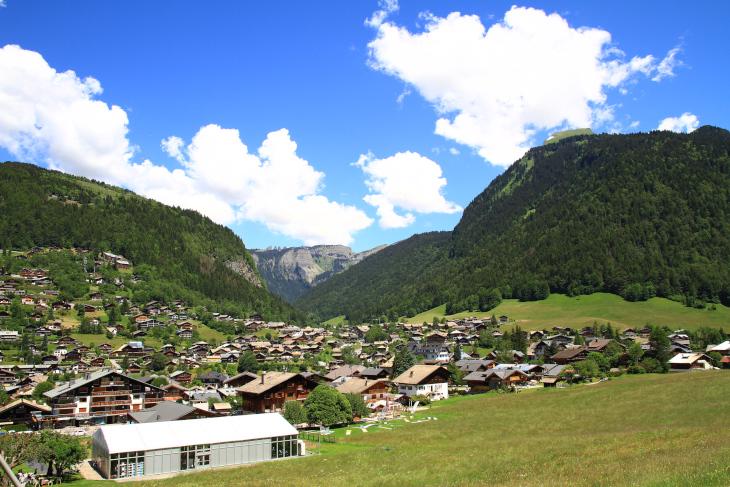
(171, 434)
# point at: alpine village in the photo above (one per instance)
(569, 325)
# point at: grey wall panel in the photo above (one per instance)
(157, 465)
(241, 452)
(215, 456)
(230, 454)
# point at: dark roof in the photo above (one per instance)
(202, 396)
(569, 353)
(552, 370)
(372, 371)
(241, 375)
(214, 375)
(486, 375)
(345, 370)
(164, 411)
(87, 379)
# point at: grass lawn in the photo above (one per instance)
(337, 320)
(262, 334)
(657, 430)
(206, 334)
(566, 133)
(560, 310)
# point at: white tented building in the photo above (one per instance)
(133, 450)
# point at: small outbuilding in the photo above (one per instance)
(134, 450)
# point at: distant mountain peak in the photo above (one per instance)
(289, 271)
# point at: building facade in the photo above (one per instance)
(101, 397)
(135, 450)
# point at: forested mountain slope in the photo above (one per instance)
(290, 271)
(636, 215)
(179, 252)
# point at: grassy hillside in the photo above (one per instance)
(652, 430)
(558, 136)
(179, 254)
(637, 215)
(577, 312)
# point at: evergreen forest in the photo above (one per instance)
(637, 215)
(179, 254)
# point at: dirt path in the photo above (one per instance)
(88, 472)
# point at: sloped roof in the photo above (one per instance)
(418, 374)
(241, 375)
(271, 379)
(164, 411)
(171, 434)
(569, 353)
(344, 371)
(32, 404)
(372, 371)
(358, 386)
(688, 358)
(66, 387)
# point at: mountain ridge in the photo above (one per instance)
(290, 271)
(180, 252)
(635, 215)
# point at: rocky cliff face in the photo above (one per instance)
(290, 271)
(243, 268)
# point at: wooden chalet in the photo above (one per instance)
(269, 394)
(181, 376)
(241, 379)
(495, 379)
(175, 391)
(21, 411)
(570, 355)
(370, 390)
(102, 396)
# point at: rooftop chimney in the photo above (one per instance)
(411, 374)
(263, 374)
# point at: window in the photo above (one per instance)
(194, 456)
(130, 464)
(283, 446)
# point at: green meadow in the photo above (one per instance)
(650, 430)
(577, 312)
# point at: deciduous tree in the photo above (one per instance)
(327, 406)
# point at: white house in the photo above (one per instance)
(427, 380)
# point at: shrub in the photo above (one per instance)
(652, 365)
(423, 399)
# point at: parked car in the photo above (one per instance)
(78, 433)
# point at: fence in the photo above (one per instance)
(315, 437)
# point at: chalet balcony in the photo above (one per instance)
(110, 403)
(95, 393)
(112, 383)
(85, 415)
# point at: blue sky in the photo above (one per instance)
(358, 123)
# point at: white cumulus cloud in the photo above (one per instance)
(494, 89)
(54, 119)
(387, 7)
(407, 181)
(666, 66)
(684, 123)
(275, 187)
